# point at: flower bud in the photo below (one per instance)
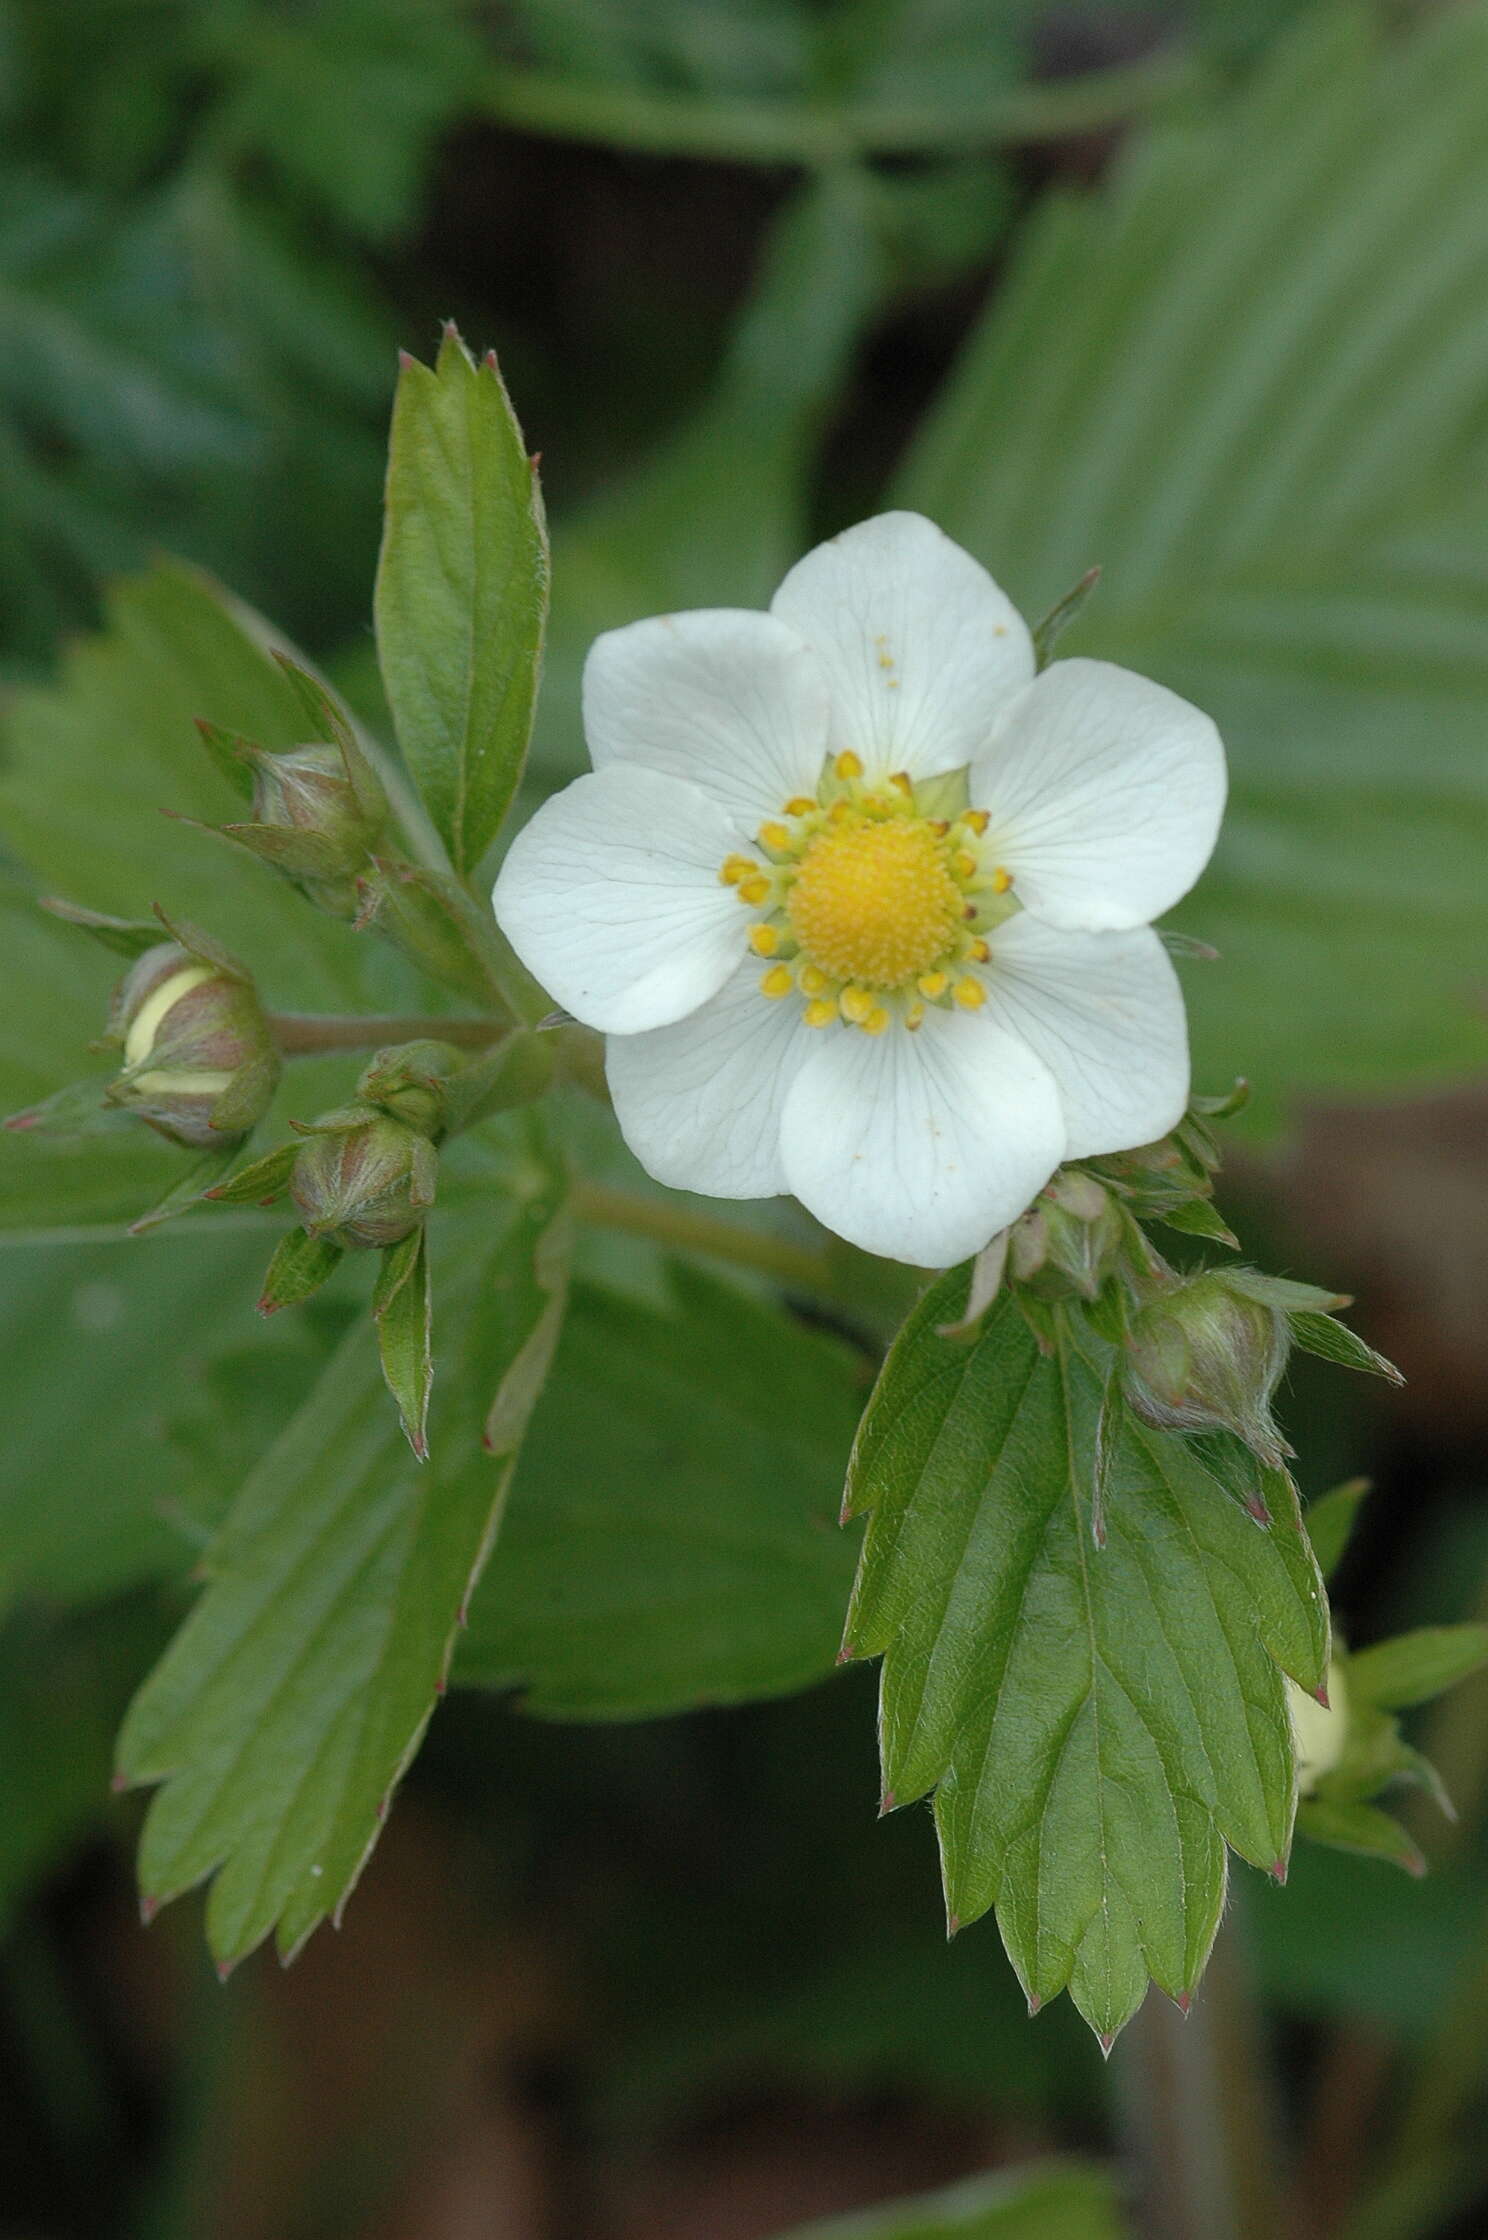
(319, 811)
(1206, 1357)
(408, 1082)
(1320, 1731)
(199, 1063)
(362, 1178)
(1068, 1241)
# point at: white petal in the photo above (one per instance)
(1105, 1013)
(1105, 792)
(921, 1146)
(611, 896)
(732, 701)
(699, 1103)
(920, 648)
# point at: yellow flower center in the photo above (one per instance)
(874, 902)
(874, 899)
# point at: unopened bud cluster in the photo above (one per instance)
(319, 812)
(365, 1175)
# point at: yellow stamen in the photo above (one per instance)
(856, 1005)
(735, 868)
(902, 779)
(775, 837)
(914, 1017)
(820, 1014)
(876, 1021)
(811, 981)
(848, 765)
(970, 994)
(964, 863)
(777, 981)
(978, 819)
(979, 951)
(764, 940)
(1001, 880)
(754, 889)
(800, 805)
(933, 985)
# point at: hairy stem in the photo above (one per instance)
(686, 1231)
(301, 1034)
(816, 135)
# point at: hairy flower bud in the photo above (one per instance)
(363, 1179)
(199, 1063)
(1067, 1242)
(319, 811)
(1205, 1356)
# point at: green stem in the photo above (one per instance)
(734, 131)
(683, 1230)
(301, 1034)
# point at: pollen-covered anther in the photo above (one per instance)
(812, 980)
(775, 839)
(821, 1012)
(777, 981)
(856, 1005)
(764, 940)
(1002, 879)
(969, 994)
(801, 805)
(733, 869)
(976, 820)
(933, 985)
(755, 889)
(848, 765)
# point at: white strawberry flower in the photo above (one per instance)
(862, 904)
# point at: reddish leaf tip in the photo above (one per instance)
(20, 1121)
(225, 1969)
(1183, 2001)
(1035, 2002)
(845, 1653)
(1414, 1863)
(148, 1908)
(382, 1808)
(1105, 2039)
(441, 1685)
(118, 1783)
(953, 1925)
(886, 1803)
(1320, 1695)
(1278, 1871)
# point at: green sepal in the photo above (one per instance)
(1319, 1333)
(244, 1101)
(403, 1307)
(1051, 627)
(81, 1109)
(1226, 1105)
(128, 937)
(1359, 1827)
(301, 1264)
(329, 721)
(1330, 1521)
(1282, 1293)
(947, 795)
(188, 1190)
(1199, 1217)
(299, 854)
(203, 947)
(260, 1182)
(230, 752)
(1416, 1666)
(1187, 946)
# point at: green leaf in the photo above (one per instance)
(1199, 1218)
(1334, 1341)
(1248, 379)
(1053, 2204)
(673, 1540)
(285, 1711)
(462, 593)
(1359, 1827)
(403, 1309)
(1096, 1722)
(1416, 1666)
(100, 1346)
(1330, 1522)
